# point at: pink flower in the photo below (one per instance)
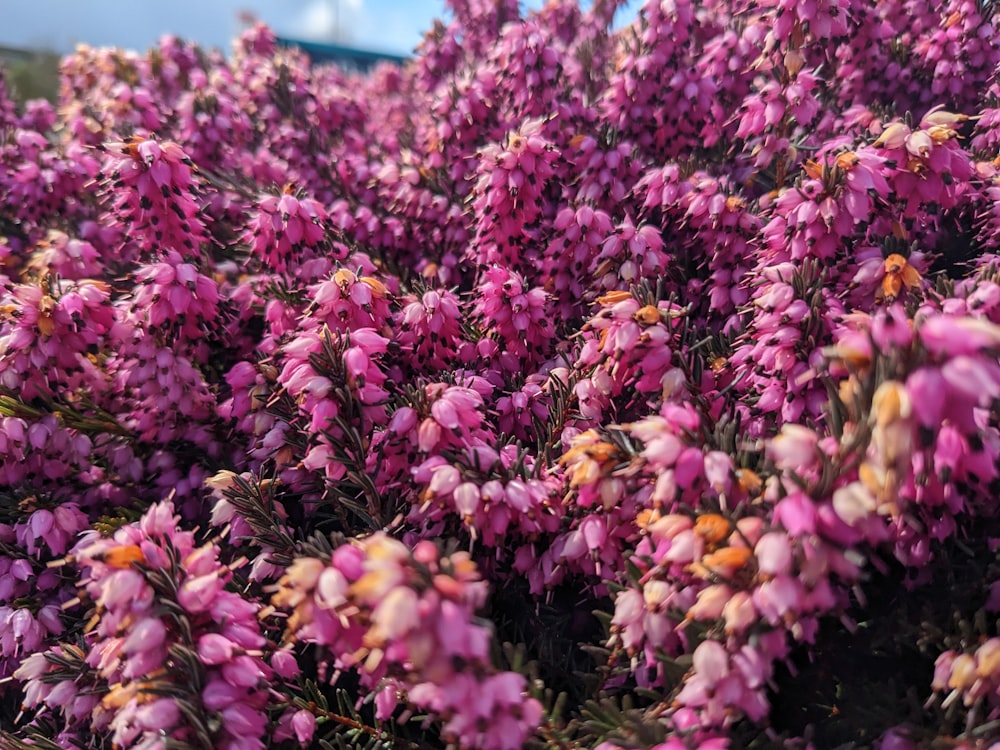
(304, 726)
(779, 598)
(774, 554)
(711, 662)
(945, 334)
(198, 594)
(214, 648)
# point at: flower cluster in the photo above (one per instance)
(170, 653)
(510, 183)
(586, 381)
(151, 188)
(404, 618)
(516, 316)
(285, 229)
(969, 677)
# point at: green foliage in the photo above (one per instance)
(36, 77)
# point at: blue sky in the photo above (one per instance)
(386, 25)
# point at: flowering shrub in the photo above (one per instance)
(568, 386)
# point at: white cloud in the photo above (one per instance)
(328, 20)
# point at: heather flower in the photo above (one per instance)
(325, 378)
(173, 297)
(715, 689)
(671, 114)
(151, 622)
(491, 508)
(66, 257)
(150, 188)
(167, 394)
(930, 165)
(832, 199)
(631, 253)
(579, 235)
(347, 302)
(38, 179)
(519, 412)
(630, 354)
(429, 329)
(404, 617)
(529, 65)
(507, 196)
(685, 323)
(516, 316)
(213, 125)
(286, 227)
(55, 325)
(970, 677)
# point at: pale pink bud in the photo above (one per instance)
(854, 503)
(331, 589)
(215, 649)
(198, 594)
(386, 701)
(774, 554)
(149, 633)
(304, 725)
(396, 614)
(445, 479)
(893, 136)
(739, 613)
(158, 715)
(595, 531)
(794, 448)
(710, 661)
(466, 498)
(285, 664)
(428, 435)
(711, 602)
(243, 671)
(657, 593)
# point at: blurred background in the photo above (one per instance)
(394, 26)
(35, 33)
